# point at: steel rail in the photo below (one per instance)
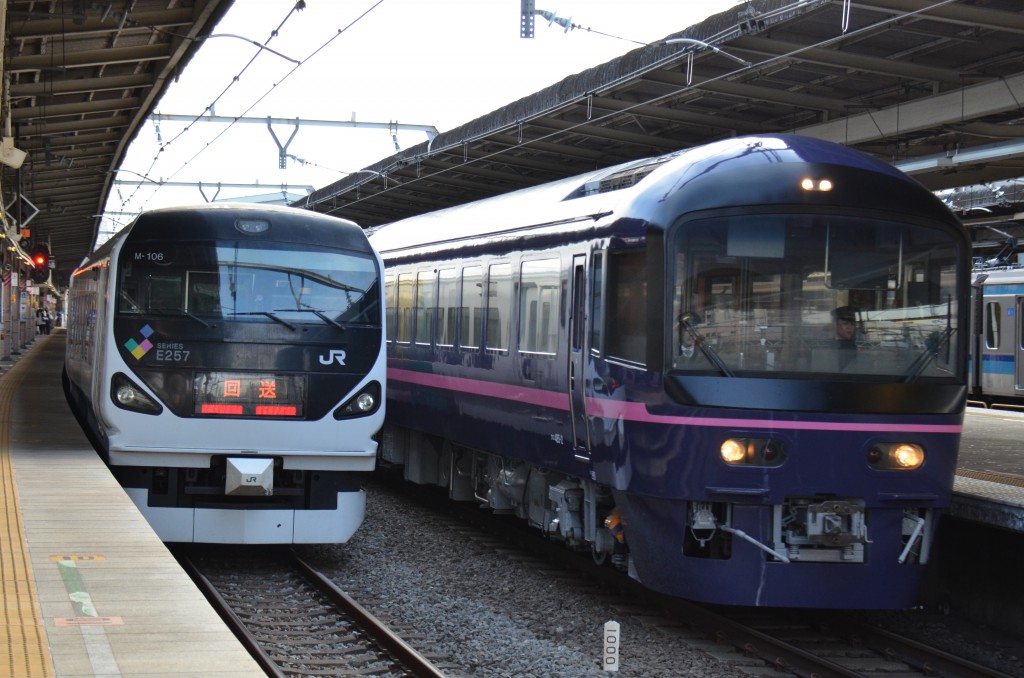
(781, 655)
(928, 660)
(226, 612)
(418, 665)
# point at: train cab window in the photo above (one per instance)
(814, 295)
(203, 294)
(155, 292)
(471, 311)
(447, 307)
(993, 319)
(406, 289)
(390, 306)
(251, 283)
(538, 305)
(499, 305)
(425, 304)
(627, 306)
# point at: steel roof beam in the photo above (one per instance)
(609, 133)
(958, 13)
(744, 91)
(79, 86)
(111, 105)
(35, 29)
(91, 58)
(682, 116)
(974, 101)
(848, 60)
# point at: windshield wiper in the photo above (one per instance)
(269, 315)
(365, 312)
(686, 321)
(179, 311)
(935, 343)
(933, 346)
(317, 312)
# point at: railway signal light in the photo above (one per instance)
(40, 264)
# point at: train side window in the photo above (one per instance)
(406, 288)
(538, 305)
(447, 306)
(627, 306)
(597, 305)
(499, 307)
(425, 304)
(390, 306)
(993, 320)
(472, 309)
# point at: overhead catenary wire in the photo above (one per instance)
(236, 78)
(389, 170)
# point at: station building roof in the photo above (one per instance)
(935, 87)
(84, 76)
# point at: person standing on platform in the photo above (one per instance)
(43, 320)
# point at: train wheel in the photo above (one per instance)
(600, 557)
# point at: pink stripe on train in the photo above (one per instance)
(629, 411)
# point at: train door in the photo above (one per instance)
(1018, 348)
(578, 357)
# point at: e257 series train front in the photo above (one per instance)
(227, 363)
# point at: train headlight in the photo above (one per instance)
(252, 226)
(907, 455)
(753, 452)
(896, 456)
(367, 401)
(128, 395)
(733, 451)
(809, 184)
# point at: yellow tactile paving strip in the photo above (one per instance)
(24, 648)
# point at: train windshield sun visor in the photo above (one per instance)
(814, 296)
(223, 281)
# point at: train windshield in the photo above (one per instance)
(812, 296)
(228, 280)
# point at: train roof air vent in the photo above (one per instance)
(624, 177)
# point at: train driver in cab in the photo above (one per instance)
(845, 321)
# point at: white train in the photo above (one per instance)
(227, 362)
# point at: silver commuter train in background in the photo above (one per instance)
(997, 351)
(227, 363)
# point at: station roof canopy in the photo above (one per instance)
(934, 86)
(84, 76)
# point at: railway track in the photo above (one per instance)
(807, 643)
(294, 620)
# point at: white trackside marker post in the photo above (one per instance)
(610, 658)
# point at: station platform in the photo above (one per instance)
(989, 483)
(88, 588)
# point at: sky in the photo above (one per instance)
(410, 62)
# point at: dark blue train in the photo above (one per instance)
(738, 371)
